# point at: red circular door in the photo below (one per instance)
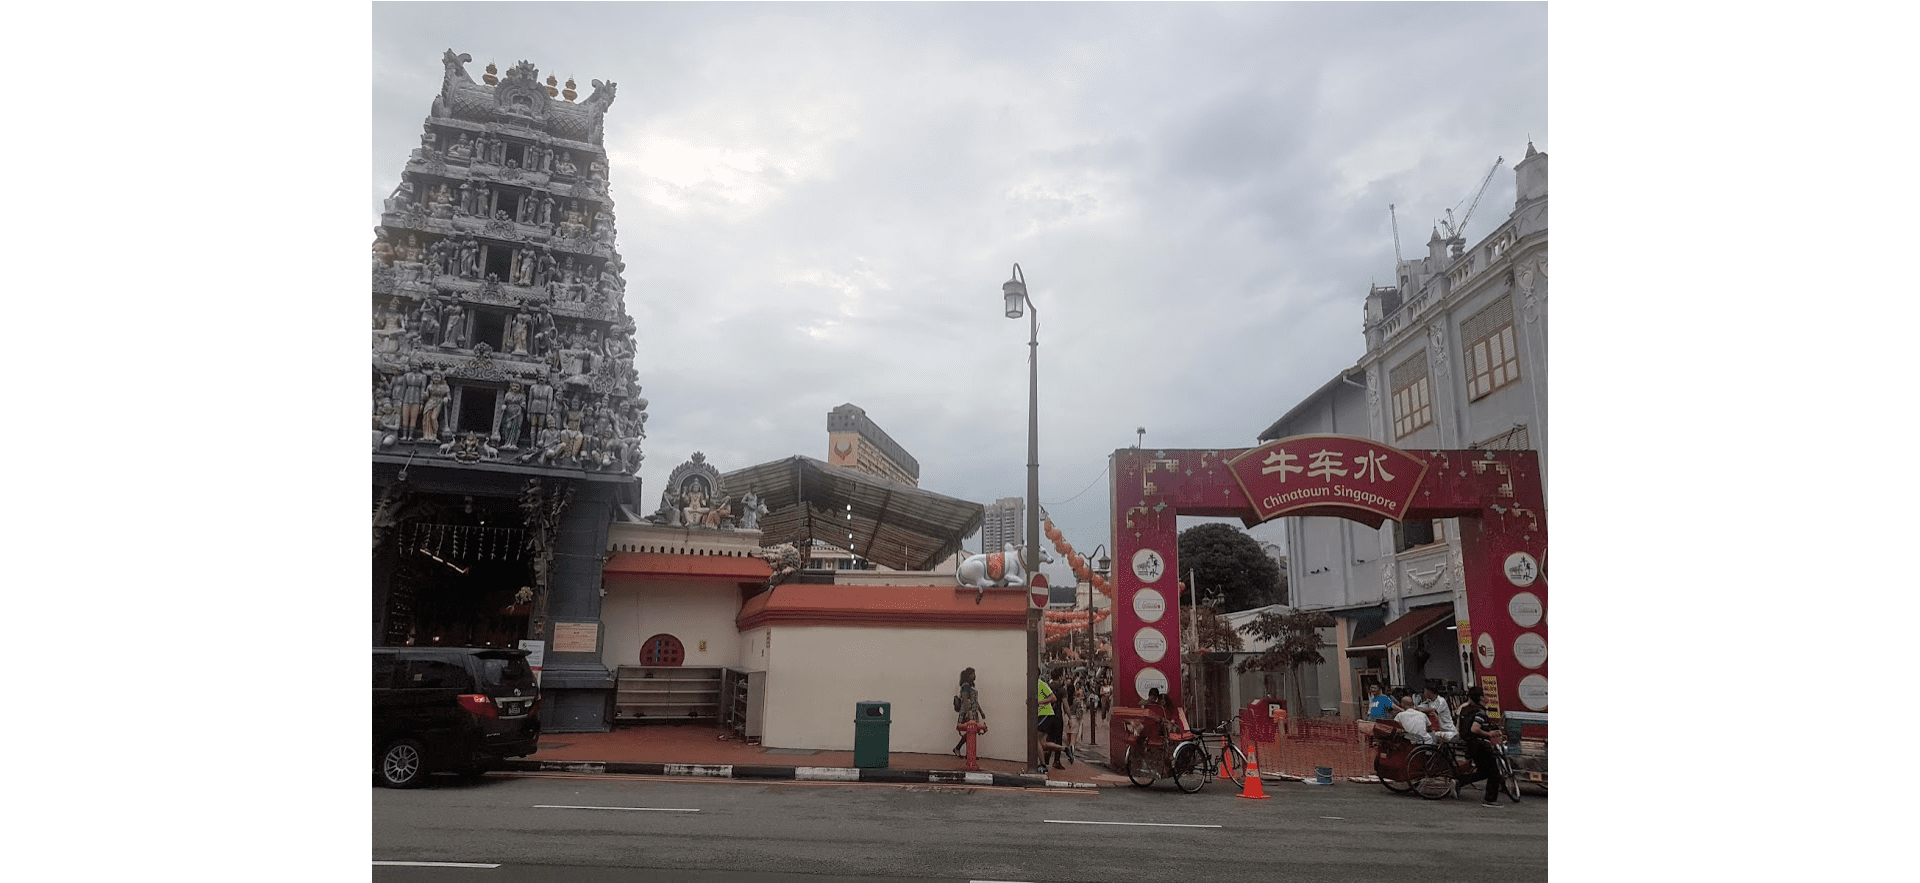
(662, 650)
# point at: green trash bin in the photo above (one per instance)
(870, 723)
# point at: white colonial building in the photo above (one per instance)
(1456, 358)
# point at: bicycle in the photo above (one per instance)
(1190, 764)
(1434, 769)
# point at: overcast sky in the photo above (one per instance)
(818, 203)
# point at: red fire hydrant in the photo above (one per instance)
(972, 729)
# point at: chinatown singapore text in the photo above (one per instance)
(1324, 464)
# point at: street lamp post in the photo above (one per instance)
(1015, 292)
(1099, 562)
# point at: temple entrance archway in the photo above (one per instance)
(1496, 496)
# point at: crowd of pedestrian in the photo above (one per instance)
(1071, 708)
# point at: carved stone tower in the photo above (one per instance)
(507, 416)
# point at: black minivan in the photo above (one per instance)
(457, 709)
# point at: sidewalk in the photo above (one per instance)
(708, 751)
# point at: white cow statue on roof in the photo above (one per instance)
(996, 569)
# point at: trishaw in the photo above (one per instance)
(1431, 769)
(1169, 748)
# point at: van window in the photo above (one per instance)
(510, 671)
(435, 673)
(382, 670)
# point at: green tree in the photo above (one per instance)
(1296, 647)
(1213, 633)
(1226, 561)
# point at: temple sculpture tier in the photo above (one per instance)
(500, 329)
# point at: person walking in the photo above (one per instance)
(1071, 704)
(1478, 737)
(967, 704)
(1047, 729)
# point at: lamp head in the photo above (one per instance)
(1015, 291)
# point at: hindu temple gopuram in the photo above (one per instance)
(507, 415)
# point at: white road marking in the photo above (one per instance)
(437, 865)
(619, 808)
(1143, 824)
(1335, 818)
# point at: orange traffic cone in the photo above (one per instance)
(1226, 765)
(1253, 791)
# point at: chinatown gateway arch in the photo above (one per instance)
(1495, 494)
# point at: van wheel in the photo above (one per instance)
(403, 765)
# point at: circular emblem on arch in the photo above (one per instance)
(1150, 644)
(1533, 692)
(1521, 569)
(1483, 650)
(1149, 605)
(1148, 566)
(1146, 680)
(1525, 608)
(1530, 650)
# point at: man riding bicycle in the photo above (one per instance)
(1479, 740)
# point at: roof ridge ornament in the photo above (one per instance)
(602, 97)
(522, 72)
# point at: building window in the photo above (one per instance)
(1409, 534)
(1515, 439)
(1492, 359)
(1412, 396)
(662, 649)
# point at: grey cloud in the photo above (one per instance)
(1197, 192)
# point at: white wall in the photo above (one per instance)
(693, 611)
(755, 645)
(816, 674)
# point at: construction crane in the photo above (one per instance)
(1455, 231)
(1396, 235)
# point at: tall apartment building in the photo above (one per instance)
(1005, 522)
